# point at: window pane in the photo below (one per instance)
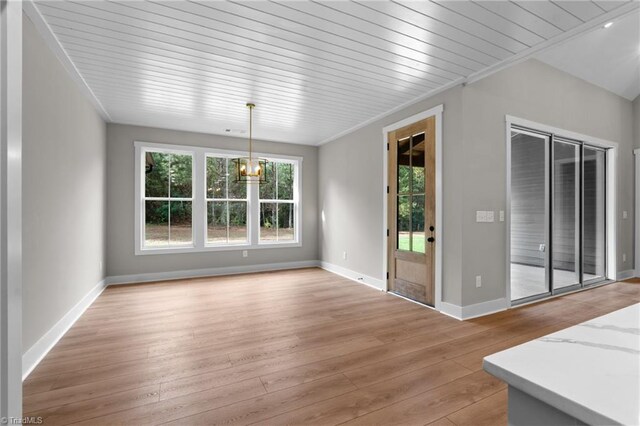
(216, 222)
(180, 232)
(285, 222)
(156, 178)
(404, 166)
(566, 214)
(268, 222)
(285, 181)
(404, 222)
(417, 224)
(156, 230)
(594, 214)
(237, 221)
(268, 189)
(181, 176)
(216, 177)
(237, 190)
(417, 162)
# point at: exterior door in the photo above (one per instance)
(411, 215)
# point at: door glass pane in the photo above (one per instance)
(529, 195)
(417, 224)
(404, 166)
(180, 231)
(417, 164)
(594, 214)
(566, 214)
(404, 222)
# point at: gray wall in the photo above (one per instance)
(64, 177)
(121, 259)
(351, 194)
(474, 173)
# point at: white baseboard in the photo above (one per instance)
(209, 272)
(475, 310)
(41, 348)
(625, 275)
(355, 276)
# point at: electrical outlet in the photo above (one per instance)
(245, 253)
(624, 214)
(100, 265)
(489, 215)
(624, 257)
(481, 216)
(344, 255)
(478, 280)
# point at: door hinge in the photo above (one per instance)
(387, 189)
(387, 232)
(387, 147)
(387, 275)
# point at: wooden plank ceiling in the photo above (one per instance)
(314, 69)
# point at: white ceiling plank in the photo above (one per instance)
(389, 27)
(360, 30)
(609, 5)
(87, 50)
(490, 19)
(584, 10)
(326, 43)
(550, 12)
(415, 24)
(175, 18)
(463, 23)
(264, 61)
(522, 17)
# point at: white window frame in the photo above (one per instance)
(199, 206)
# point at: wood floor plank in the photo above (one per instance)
(287, 347)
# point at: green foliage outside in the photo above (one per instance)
(170, 177)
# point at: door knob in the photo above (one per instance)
(431, 239)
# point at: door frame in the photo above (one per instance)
(437, 113)
(610, 193)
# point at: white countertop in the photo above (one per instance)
(590, 371)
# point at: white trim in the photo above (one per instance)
(436, 111)
(625, 275)
(32, 11)
(208, 272)
(476, 310)
(451, 310)
(41, 348)
(354, 276)
(637, 208)
(611, 200)
(11, 210)
(199, 244)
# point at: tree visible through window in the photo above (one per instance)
(168, 199)
(226, 204)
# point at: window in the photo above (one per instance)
(277, 217)
(168, 199)
(189, 201)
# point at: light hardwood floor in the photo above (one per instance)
(289, 347)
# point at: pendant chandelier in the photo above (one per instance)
(250, 169)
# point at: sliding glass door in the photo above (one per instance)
(558, 222)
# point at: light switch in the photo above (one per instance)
(501, 215)
(489, 215)
(481, 216)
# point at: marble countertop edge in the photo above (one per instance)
(549, 397)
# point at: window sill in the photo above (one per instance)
(234, 247)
